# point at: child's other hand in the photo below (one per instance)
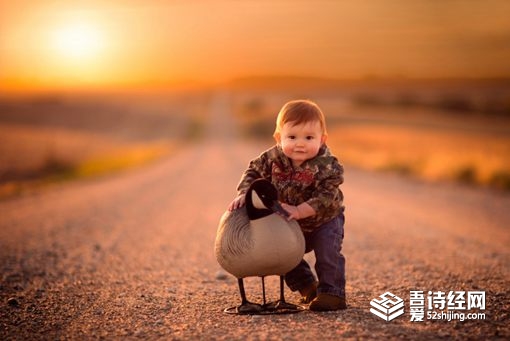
(237, 202)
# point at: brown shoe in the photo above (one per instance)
(309, 293)
(328, 302)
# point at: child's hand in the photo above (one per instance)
(237, 202)
(301, 211)
(292, 210)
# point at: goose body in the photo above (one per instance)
(262, 247)
(256, 240)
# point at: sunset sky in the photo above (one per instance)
(54, 44)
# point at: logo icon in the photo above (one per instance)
(388, 306)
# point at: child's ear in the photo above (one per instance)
(324, 138)
(277, 137)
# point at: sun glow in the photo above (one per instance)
(77, 50)
(78, 40)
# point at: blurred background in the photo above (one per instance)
(415, 87)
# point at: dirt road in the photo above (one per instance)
(132, 257)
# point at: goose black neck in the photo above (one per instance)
(253, 212)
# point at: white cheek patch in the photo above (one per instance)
(257, 202)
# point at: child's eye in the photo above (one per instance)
(309, 137)
(292, 137)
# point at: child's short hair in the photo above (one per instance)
(300, 111)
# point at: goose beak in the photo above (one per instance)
(278, 209)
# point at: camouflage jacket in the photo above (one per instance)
(315, 182)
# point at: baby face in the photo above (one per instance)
(302, 141)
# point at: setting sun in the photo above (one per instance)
(77, 40)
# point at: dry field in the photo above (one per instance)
(49, 140)
(430, 154)
(31, 157)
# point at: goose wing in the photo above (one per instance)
(233, 238)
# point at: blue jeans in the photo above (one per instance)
(326, 242)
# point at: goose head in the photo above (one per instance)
(262, 200)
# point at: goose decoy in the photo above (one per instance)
(256, 240)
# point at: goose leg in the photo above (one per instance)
(241, 291)
(282, 293)
(263, 292)
(246, 307)
(281, 304)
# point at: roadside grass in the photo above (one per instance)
(465, 157)
(55, 169)
(121, 159)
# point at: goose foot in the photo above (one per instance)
(285, 305)
(249, 308)
(282, 307)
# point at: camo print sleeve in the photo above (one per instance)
(259, 167)
(327, 197)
